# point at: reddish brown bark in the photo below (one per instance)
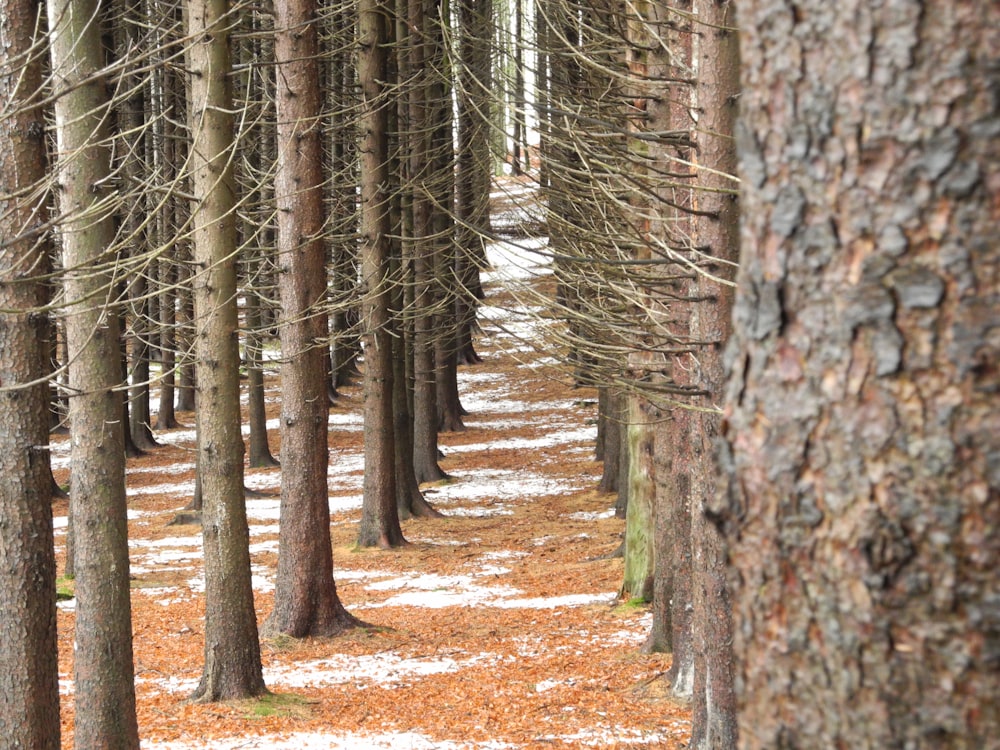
(713, 721)
(305, 597)
(864, 505)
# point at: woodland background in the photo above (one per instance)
(771, 228)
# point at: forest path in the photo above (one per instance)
(497, 627)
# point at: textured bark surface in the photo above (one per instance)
(102, 667)
(29, 686)
(379, 517)
(865, 441)
(232, 651)
(305, 596)
(639, 522)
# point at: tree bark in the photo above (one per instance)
(609, 441)
(169, 149)
(639, 520)
(232, 652)
(473, 166)
(29, 670)
(305, 596)
(102, 667)
(862, 436)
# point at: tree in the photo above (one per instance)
(713, 723)
(424, 244)
(168, 153)
(102, 665)
(305, 597)
(861, 435)
(473, 165)
(258, 218)
(135, 230)
(29, 672)
(232, 651)
(410, 500)
(379, 516)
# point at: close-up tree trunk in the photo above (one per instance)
(861, 427)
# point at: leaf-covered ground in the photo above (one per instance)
(498, 626)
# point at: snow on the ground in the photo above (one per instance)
(519, 260)
(329, 741)
(482, 492)
(605, 736)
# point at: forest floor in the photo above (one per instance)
(498, 626)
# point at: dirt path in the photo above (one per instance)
(497, 627)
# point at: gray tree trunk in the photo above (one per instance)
(639, 521)
(862, 433)
(232, 651)
(29, 671)
(259, 449)
(170, 152)
(102, 667)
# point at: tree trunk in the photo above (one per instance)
(305, 596)
(639, 520)
(184, 386)
(473, 166)
(167, 223)
(423, 248)
(713, 724)
(131, 449)
(610, 422)
(232, 652)
(443, 266)
(259, 451)
(29, 672)
(130, 119)
(519, 161)
(862, 436)
(379, 517)
(344, 340)
(410, 501)
(102, 667)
